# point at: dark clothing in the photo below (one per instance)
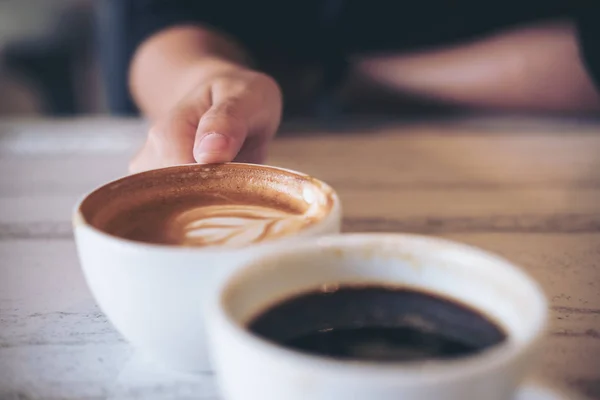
(325, 32)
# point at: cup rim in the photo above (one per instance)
(79, 221)
(398, 372)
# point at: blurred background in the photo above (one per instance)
(50, 66)
(48, 62)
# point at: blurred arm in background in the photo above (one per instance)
(545, 67)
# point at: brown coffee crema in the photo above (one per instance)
(229, 205)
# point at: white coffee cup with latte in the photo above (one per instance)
(151, 244)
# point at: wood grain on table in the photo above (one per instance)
(527, 189)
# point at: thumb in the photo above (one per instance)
(221, 132)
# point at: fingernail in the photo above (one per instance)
(210, 146)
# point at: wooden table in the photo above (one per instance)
(527, 189)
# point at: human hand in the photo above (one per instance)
(229, 115)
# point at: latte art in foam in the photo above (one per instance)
(234, 225)
(218, 205)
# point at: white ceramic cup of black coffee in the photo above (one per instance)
(375, 316)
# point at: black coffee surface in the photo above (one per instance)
(377, 323)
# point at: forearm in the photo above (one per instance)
(536, 69)
(168, 63)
